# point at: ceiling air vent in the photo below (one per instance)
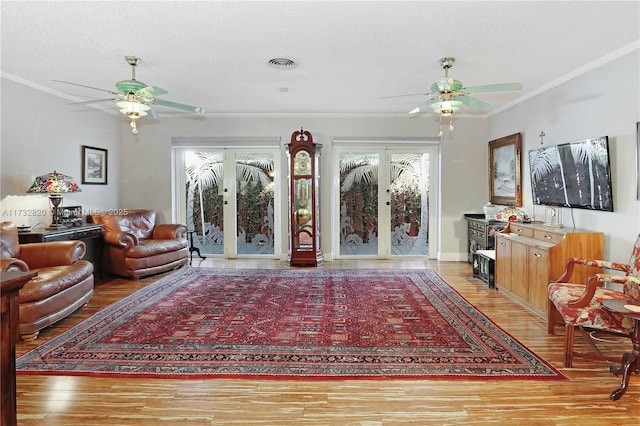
(282, 63)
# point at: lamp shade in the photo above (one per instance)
(512, 214)
(54, 183)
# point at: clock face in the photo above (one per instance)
(302, 163)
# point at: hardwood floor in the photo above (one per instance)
(583, 399)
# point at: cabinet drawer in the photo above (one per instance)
(521, 230)
(550, 237)
(476, 225)
(88, 234)
(476, 235)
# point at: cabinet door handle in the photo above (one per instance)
(503, 243)
(547, 236)
(518, 229)
(537, 255)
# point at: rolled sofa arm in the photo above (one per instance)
(13, 264)
(120, 239)
(169, 231)
(54, 253)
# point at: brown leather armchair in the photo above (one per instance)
(64, 282)
(134, 246)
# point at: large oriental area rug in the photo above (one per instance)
(303, 323)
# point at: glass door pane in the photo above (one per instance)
(255, 203)
(358, 203)
(204, 199)
(409, 201)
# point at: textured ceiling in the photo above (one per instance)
(351, 54)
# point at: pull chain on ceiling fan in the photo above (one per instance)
(134, 97)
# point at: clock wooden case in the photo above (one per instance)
(304, 200)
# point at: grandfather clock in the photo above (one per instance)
(304, 200)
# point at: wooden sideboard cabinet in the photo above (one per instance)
(480, 233)
(529, 256)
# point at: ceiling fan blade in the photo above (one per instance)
(190, 108)
(504, 87)
(423, 107)
(151, 92)
(472, 102)
(93, 101)
(152, 114)
(88, 87)
(400, 96)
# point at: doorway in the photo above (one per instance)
(386, 202)
(229, 197)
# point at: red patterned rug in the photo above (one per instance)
(303, 323)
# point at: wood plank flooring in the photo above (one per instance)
(582, 400)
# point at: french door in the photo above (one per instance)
(229, 197)
(386, 207)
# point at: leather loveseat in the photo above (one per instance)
(64, 282)
(135, 246)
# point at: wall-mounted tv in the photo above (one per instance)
(576, 174)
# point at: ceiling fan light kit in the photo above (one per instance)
(134, 96)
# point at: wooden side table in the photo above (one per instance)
(11, 284)
(630, 360)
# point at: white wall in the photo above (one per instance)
(146, 161)
(40, 134)
(602, 102)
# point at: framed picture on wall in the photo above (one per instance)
(94, 165)
(505, 173)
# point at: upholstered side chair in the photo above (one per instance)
(579, 306)
(64, 282)
(135, 246)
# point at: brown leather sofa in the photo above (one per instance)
(64, 282)
(135, 246)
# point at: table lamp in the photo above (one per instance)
(55, 184)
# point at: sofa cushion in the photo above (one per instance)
(148, 248)
(55, 279)
(137, 222)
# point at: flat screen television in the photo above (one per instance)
(576, 174)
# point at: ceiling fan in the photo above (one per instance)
(134, 97)
(448, 94)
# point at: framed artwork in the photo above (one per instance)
(505, 173)
(638, 160)
(94, 165)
